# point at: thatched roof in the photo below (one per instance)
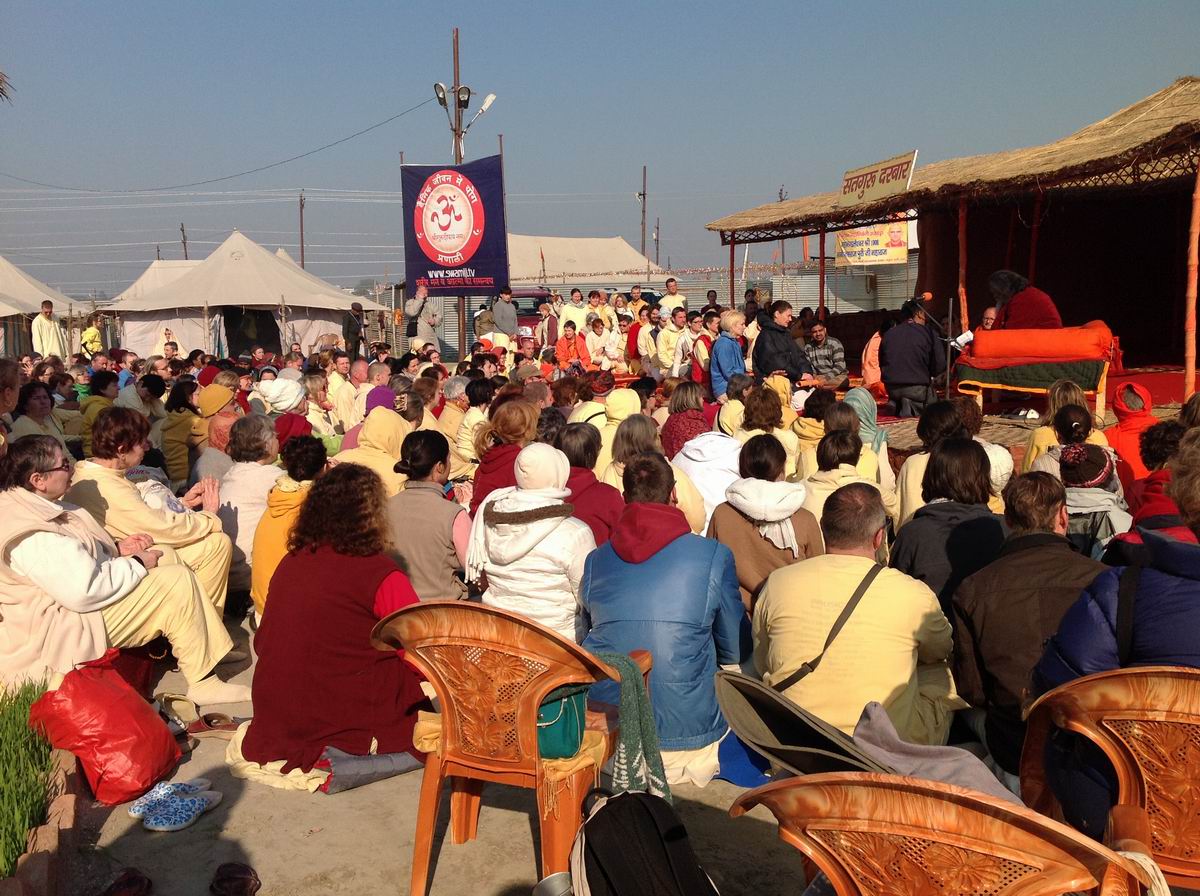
(1154, 139)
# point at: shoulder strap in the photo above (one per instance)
(1126, 597)
(811, 666)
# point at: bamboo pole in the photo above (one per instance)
(962, 262)
(732, 265)
(1189, 315)
(821, 273)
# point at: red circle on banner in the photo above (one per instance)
(448, 218)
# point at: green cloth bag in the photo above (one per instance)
(560, 723)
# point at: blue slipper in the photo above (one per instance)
(161, 791)
(178, 812)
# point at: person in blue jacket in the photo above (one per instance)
(655, 586)
(1166, 631)
(727, 358)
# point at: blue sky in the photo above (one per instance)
(723, 102)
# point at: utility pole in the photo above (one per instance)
(642, 197)
(158, 252)
(183, 237)
(657, 239)
(458, 147)
(301, 228)
(782, 250)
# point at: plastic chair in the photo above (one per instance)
(491, 671)
(1146, 720)
(885, 835)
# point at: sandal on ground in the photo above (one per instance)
(178, 812)
(164, 789)
(214, 724)
(130, 882)
(235, 879)
(178, 708)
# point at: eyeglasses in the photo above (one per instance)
(64, 467)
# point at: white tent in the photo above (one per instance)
(160, 272)
(239, 276)
(569, 259)
(26, 293)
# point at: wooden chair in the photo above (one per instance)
(491, 671)
(1146, 720)
(886, 835)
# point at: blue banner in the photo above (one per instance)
(455, 236)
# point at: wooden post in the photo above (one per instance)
(1189, 314)
(821, 272)
(1033, 237)
(962, 262)
(732, 264)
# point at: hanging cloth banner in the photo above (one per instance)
(455, 235)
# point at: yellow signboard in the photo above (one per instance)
(875, 244)
(877, 181)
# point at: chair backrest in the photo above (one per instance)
(491, 670)
(789, 736)
(885, 834)
(1146, 719)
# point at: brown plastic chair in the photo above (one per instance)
(886, 835)
(1146, 720)
(491, 670)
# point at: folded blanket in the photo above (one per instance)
(637, 762)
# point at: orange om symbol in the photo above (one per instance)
(446, 215)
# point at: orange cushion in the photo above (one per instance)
(1092, 340)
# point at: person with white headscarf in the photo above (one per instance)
(763, 520)
(528, 547)
(279, 396)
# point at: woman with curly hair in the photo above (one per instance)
(320, 687)
(764, 415)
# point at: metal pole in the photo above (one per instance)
(657, 238)
(458, 147)
(962, 260)
(643, 197)
(301, 228)
(821, 272)
(183, 237)
(1189, 315)
(732, 265)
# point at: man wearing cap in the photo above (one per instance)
(504, 312)
(354, 330)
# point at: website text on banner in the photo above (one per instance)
(877, 181)
(455, 235)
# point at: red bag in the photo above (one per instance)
(123, 744)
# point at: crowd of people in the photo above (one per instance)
(692, 483)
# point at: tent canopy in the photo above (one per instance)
(241, 272)
(567, 257)
(20, 291)
(160, 272)
(1148, 142)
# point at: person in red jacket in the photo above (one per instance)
(596, 503)
(1133, 407)
(1021, 305)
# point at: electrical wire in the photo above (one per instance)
(215, 180)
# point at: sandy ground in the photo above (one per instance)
(360, 842)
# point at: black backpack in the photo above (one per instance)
(633, 844)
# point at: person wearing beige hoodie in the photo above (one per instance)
(620, 405)
(636, 435)
(837, 454)
(379, 443)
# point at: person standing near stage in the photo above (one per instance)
(1020, 305)
(428, 317)
(48, 337)
(354, 331)
(909, 358)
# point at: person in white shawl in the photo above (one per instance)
(279, 396)
(763, 520)
(527, 547)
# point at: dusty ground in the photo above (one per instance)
(360, 842)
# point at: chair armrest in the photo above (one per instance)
(1129, 829)
(644, 660)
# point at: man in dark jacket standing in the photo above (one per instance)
(775, 350)
(657, 587)
(1004, 613)
(909, 358)
(354, 331)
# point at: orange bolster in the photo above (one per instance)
(1092, 340)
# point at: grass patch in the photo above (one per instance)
(24, 774)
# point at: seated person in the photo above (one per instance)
(811, 427)
(690, 628)
(1073, 426)
(1135, 414)
(68, 591)
(1164, 617)
(894, 648)
(838, 456)
(335, 583)
(764, 415)
(253, 448)
(100, 486)
(954, 534)
(1020, 305)
(774, 350)
(827, 357)
(938, 422)
(596, 503)
(1148, 501)
(1060, 394)
(1004, 613)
